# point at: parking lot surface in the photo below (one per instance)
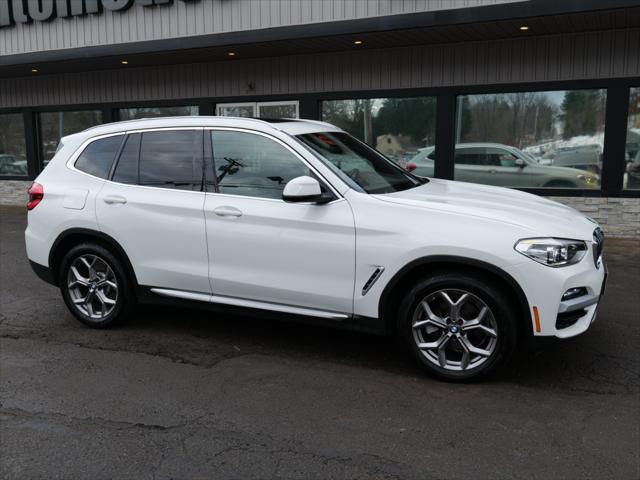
(192, 395)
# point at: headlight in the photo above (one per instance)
(589, 179)
(553, 252)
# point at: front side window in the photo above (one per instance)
(253, 165)
(359, 165)
(13, 147)
(98, 157)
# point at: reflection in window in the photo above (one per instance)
(171, 159)
(55, 125)
(531, 139)
(397, 127)
(153, 112)
(253, 165)
(632, 174)
(13, 149)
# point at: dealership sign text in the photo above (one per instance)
(27, 11)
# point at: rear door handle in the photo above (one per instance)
(113, 199)
(225, 211)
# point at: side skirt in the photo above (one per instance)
(147, 295)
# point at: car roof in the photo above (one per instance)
(483, 144)
(290, 126)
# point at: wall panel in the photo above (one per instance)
(559, 57)
(203, 17)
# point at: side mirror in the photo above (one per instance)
(520, 163)
(304, 189)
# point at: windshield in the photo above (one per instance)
(358, 164)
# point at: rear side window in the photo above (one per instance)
(98, 157)
(127, 167)
(171, 159)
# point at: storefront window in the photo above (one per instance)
(13, 150)
(632, 173)
(280, 109)
(531, 139)
(55, 125)
(152, 112)
(403, 129)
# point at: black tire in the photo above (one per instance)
(500, 307)
(124, 298)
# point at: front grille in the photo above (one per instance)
(598, 245)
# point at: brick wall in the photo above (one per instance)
(620, 217)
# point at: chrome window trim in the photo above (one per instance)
(83, 146)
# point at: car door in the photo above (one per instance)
(502, 168)
(152, 205)
(267, 253)
(471, 165)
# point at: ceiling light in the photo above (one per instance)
(524, 28)
(124, 62)
(34, 70)
(232, 54)
(357, 42)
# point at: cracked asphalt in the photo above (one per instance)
(194, 395)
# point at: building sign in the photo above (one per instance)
(27, 11)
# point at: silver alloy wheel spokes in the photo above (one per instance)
(455, 329)
(92, 286)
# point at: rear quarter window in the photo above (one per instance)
(98, 156)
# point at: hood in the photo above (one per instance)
(541, 216)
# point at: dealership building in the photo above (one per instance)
(539, 95)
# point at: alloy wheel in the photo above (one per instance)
(92, 286)
(454, 329)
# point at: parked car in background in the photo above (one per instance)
(583, 157)
(503, 165)
(11, 165)
(298, 219)
(633, 173)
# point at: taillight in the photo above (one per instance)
(36, 194)
(411, 167)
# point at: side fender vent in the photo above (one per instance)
(372, 279)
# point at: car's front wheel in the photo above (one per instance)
(458, 326)
(95, 286)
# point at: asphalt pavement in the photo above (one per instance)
(192, 395)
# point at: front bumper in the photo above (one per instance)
(544, 287)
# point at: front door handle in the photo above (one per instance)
(225, 211)
(113, 199)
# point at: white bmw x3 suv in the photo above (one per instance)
(300, 219)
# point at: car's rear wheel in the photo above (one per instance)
(458, 326)
(95, 286)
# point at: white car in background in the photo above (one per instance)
(300, 220)
(504, 166)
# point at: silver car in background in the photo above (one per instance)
(504, 166)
